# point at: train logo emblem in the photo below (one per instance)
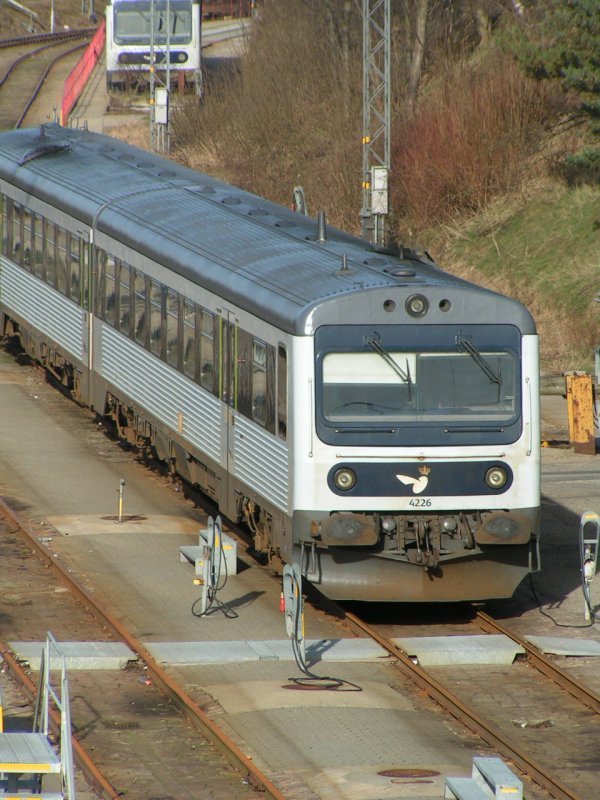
(418, 484)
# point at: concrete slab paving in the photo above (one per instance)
(563, 646)
(78, 655)
(337, 650)
(445, 650)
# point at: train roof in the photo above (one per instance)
(256, 254)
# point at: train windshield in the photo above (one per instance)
(133, 22)
(438, 385)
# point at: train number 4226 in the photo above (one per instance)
(419, 502)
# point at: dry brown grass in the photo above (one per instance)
(470, 140)
(290, 115)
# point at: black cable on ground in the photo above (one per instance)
(310, 679)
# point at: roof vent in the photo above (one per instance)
(401, 272)
(321, 227)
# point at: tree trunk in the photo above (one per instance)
(416, 64)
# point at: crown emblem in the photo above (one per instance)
(424, 470)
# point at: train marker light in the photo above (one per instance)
(496, 477)
(345, 479)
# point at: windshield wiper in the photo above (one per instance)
(462, 343)
(405, 376)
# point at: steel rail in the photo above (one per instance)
(538, 660)
(37, 89)
(455, 706)
(82, 758)
(226, 746)
(57, 36)
(24, 57)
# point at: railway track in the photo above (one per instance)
(439, 685)
(437, 688)
(153, 673)
(25, 75)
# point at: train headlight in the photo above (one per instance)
(417, 305)
(345, 479)
(496, 477)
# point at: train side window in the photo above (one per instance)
(189, 338)
(140, 315)
(84, 273)
(124, 298)
(110, 289)
(207, 350)
(259, 382)
(282, 391)
(17, 234)
(75, 268)
(28, 226)
(62, 260)
(6, 224)
(172, 344)
(49, 253)
(156, 317)
(99, 273)
(38, 247)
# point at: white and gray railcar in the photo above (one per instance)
(371, 417)
(133, 40)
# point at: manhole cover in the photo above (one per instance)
(408, 772)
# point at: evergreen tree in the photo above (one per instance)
(567, 47)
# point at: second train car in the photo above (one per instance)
(166, 31)
(372, 418)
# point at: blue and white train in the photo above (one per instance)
(370, 417)
(132, 41)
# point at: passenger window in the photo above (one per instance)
(140, 308)
(172, 327)
(49, 254)
(124, 293)
(62, 260)
(17, 240)
(259, 382)
(189, 338)
(110, 290)
(38, 267)
(282, 391)
(84, 277)
(74, 260)
(27, 229)
(5, 202)
(207, 350)
(156, 318)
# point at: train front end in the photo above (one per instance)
(140, 33)
(421, 481)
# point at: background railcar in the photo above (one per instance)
(369, 416)
(130, 37)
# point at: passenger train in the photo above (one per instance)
(130, 39)
(373, 419)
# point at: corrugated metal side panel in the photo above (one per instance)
(261, 461)
(162, 391)
(44, 308)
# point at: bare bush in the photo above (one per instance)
(292, 113)
(470, 139)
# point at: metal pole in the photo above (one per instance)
(376, 119)
(121, 486)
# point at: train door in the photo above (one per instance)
(228, 391)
